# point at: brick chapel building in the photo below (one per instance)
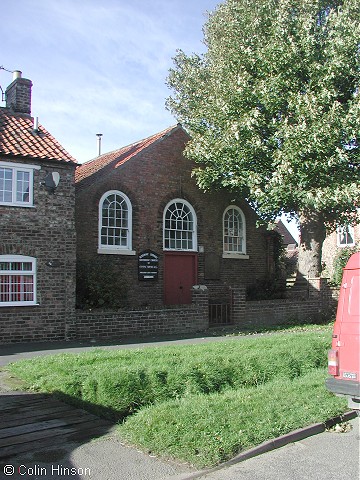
(37, 225)
(146, 233)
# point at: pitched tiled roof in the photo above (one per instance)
(118, 157)
(288, 239)
(17, 137)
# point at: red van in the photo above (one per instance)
(344, 356)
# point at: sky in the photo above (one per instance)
(99, 66)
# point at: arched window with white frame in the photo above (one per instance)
(234, 231)
(180, 226)
(115, 223)
(17, 280)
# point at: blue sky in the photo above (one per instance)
(99, 66)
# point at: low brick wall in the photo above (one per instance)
(29, 324)
(319, 303)
(277, 312)
(166, 321)
(93, 325)
(111, 325)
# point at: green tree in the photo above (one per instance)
(273, 108)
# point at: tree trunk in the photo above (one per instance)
(312, 236)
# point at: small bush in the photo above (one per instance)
(266, 288)
(340, 262)
(271, 286)
(99, 285)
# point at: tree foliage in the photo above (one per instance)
(273, 106)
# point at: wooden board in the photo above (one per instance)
(33, 422)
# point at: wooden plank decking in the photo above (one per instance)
(31, 422)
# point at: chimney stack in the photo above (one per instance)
(18, 94)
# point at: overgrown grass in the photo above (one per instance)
(201, 403)
(123, 381)
(207, 430)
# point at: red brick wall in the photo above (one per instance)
(111, 325)
(319, 304)
(46, 232)
(194, 318)
(154, 177)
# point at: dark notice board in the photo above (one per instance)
(212, 266)
(148, 265)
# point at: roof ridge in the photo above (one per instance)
(120, 155)
(133, 144)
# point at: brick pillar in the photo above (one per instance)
(319, 290)
(237, 303)
(314, 287)
(326, 295)
(200, 299)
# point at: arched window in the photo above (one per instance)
(115, 223)
(17, 280)
(234, 231)
(180, 226)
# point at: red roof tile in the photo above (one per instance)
(17, 137)
(118, 157)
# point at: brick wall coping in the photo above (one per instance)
(140, 311)
(279, 301)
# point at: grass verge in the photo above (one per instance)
(207, 430)
(201, 403)
(121, 382)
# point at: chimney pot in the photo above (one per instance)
(16, 74)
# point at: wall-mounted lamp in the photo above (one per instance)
(51, 181)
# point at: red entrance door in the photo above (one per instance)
(180, 274)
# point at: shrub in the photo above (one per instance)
(340, 262)
(272, 285)
(99, 285)
(266, 288)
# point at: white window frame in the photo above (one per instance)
(19, 273)
(18, 168)
(234, 253)
(115, 249)
(345, 230)
(193, 231)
